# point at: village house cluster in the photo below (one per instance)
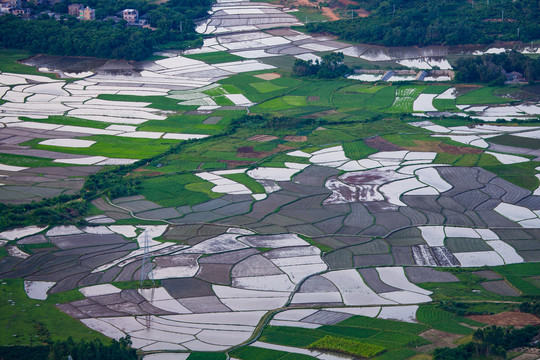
(79, 11)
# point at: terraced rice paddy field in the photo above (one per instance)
(279, 212)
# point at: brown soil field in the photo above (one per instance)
(509, 318)
(440, 147)
(268, 76)
(262, 138)
(295, 138)
(438, 339)
(248, 152)
(382, 144)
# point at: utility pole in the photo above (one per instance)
(352, 14)
(146, 268)
(502, 16)
(518, 32)
(394, 9)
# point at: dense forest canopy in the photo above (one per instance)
(173, 22)
(449, 22)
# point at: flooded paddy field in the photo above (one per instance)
(381, 201)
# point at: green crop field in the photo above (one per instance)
(445, 105)
(256, 353)
(266, 87)
(177, 190)
(244, 179)
(481, 96)
(157, 102)
(206, 356)
(441, 320)
(106, 145)
(518, 275)
(357, 150)
(216, 57)
(347, 346)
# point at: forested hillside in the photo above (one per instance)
(451, 22)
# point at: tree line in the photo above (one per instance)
(490, 68)
(82, 350)
(449, 22)
(491, 342)
(330, 66)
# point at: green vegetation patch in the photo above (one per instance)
(519, 275)
(518, 141)
(522, 174)
(177, 190)
(405, 96)
(382, 99)
(481, 96)
(25, 321)
(384, 325)
(445, 104)
(295, 100)
(361, 88)
(9, 63)
(256, 353)
(206, 356)
(122, 147)
(29, 161)
(441, 320)
(347, 346)
(69, 120)
(357, 150)
(244, 179)
(157, 102)
(322, 247)
(266, 86)
(216, 57)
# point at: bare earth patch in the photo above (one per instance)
(262, 138)
(268, 76)
(294, 138)
(381, 144)
(513, 318)
(248, 152)
(438, 339)
(327, 12)
(440, 147)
